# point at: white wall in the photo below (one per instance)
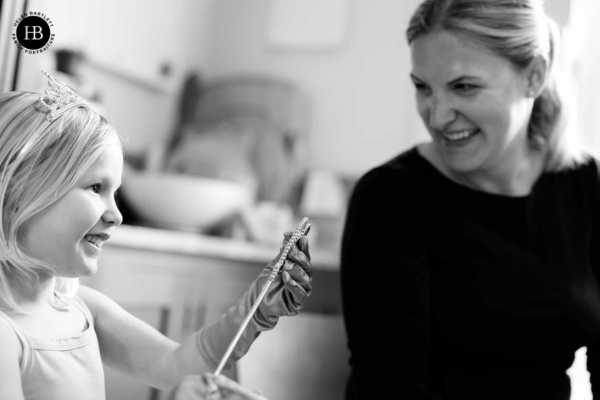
(364, 110)
(127, 42)
(582, 38)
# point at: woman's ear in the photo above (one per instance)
(536, 76)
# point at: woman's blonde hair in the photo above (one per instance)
(39, 163)
(519, 31)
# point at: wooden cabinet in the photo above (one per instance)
(169, 291)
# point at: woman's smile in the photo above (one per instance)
(471, 101)
(458, 137)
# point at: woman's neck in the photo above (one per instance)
(511, 179)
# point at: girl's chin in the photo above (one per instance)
(90, 270)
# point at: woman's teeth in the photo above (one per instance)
(459, 135)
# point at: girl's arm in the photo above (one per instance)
(137, 349)
(10, 371)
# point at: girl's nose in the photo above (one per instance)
(112, 215)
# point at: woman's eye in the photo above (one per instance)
(420, 86)
(422, 89)
(465, 87)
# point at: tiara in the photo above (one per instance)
(59, 98)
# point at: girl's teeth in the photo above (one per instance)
(95, 240)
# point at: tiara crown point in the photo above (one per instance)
(59, 98)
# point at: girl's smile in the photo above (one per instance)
(70, 233)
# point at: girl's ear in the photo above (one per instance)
(536, 76)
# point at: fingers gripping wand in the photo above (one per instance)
(301, 230)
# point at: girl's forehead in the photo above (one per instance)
(110, 161)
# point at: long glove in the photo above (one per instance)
(285, 297)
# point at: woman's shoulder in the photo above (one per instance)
(590, 174)
(581, 178)
(592, 163)
(407, 161)
(586, 170)
(402, 168)
(402, 179)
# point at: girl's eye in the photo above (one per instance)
(95, 188)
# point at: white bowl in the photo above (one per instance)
(178, 201)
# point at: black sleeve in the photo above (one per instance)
(385, 290)
(593, 349)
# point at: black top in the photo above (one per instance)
(454, 293)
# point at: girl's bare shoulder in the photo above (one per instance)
(10, 346)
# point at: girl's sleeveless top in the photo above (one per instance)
(62, 369)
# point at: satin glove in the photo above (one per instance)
(285, 297)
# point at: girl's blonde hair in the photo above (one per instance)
(39, 163)
(519, 31)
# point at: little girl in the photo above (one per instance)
(61, 164)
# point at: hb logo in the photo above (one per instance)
(33, 33)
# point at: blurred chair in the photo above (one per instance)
(239, 126)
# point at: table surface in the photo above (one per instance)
(169, 241)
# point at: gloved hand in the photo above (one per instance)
(210, 387)
(285, 297)
(222, 388)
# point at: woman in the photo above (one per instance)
(486, 239)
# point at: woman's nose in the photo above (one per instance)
(441, 112)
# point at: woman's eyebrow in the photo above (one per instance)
(461, 78)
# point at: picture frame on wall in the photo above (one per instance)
(307, 24)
